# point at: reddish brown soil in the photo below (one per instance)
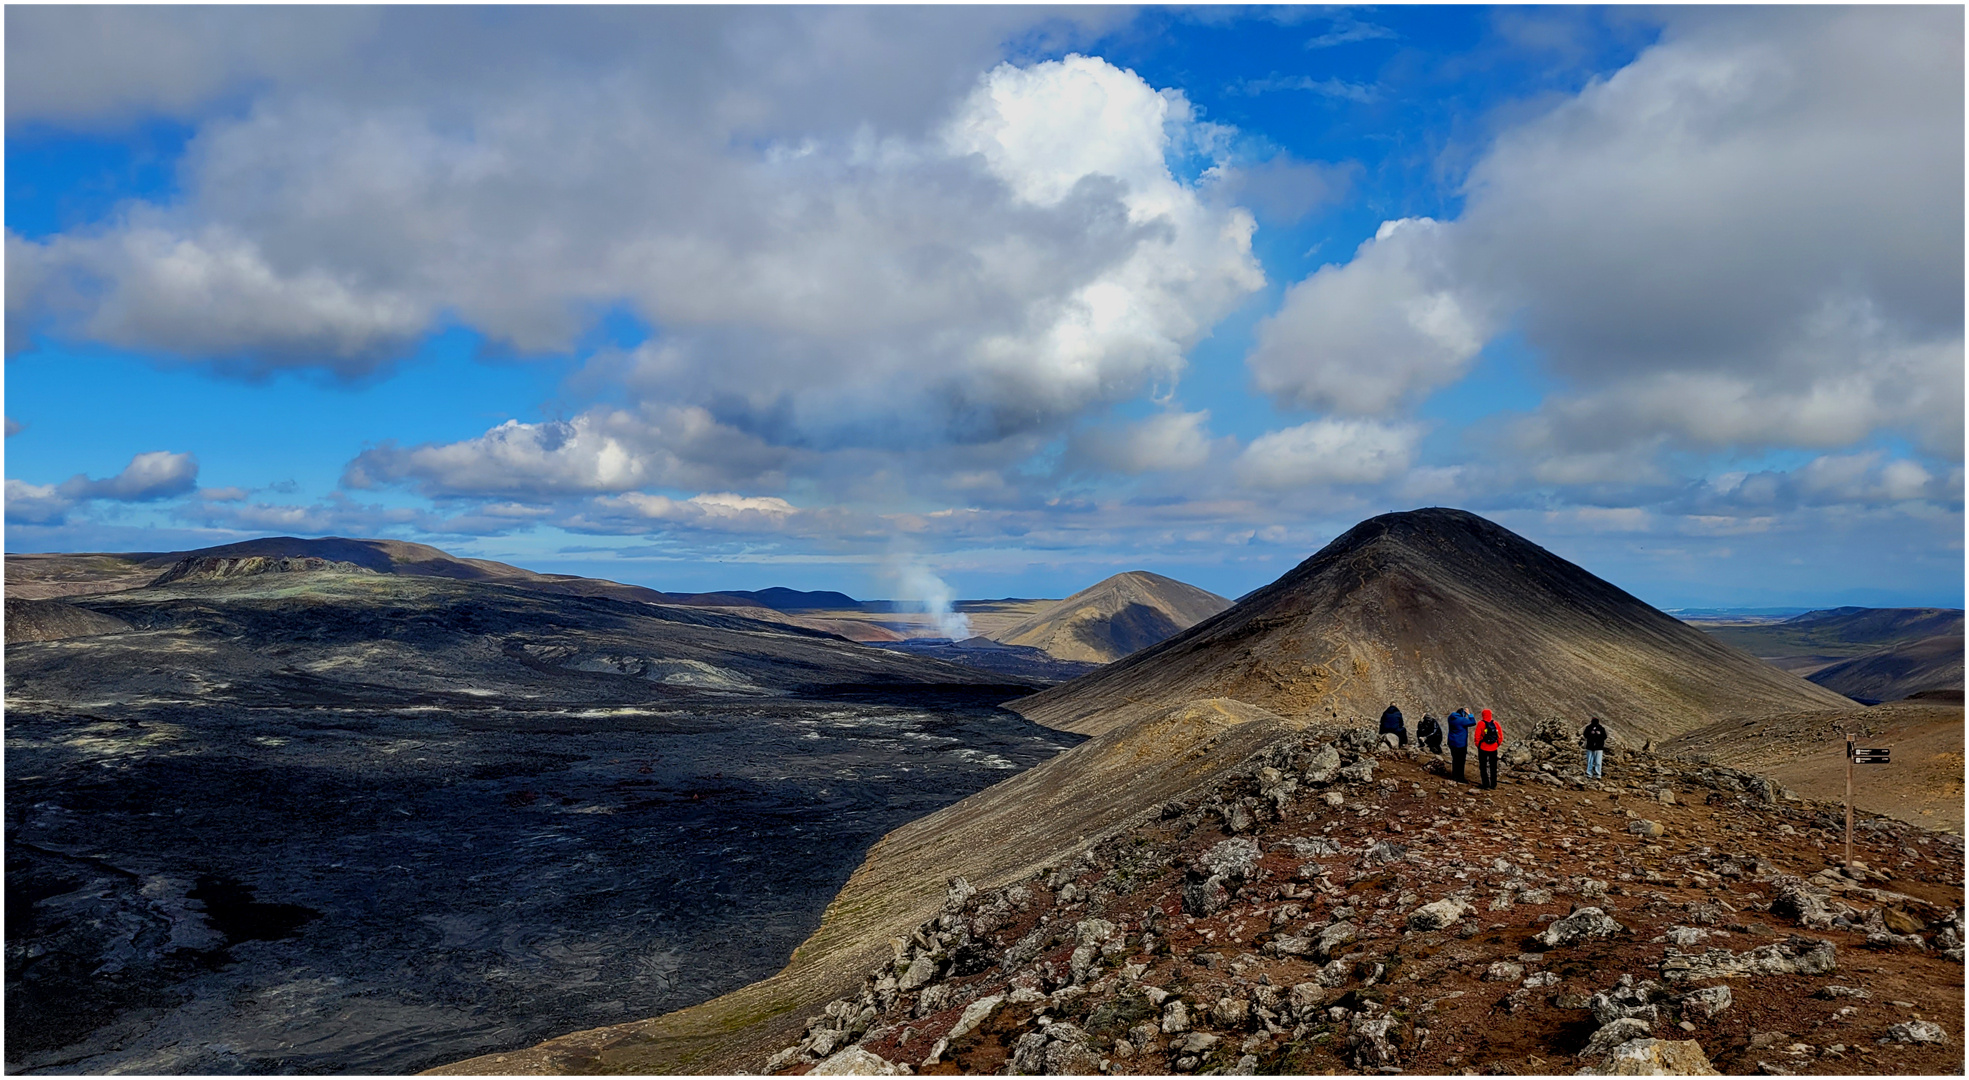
(1433, 981)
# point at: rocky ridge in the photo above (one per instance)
(1336, 904)
(212, 568)
(1114, 617)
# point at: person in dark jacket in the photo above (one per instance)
(1460, 722)
(1595, 738)
(1490, 739)
(1429, 734)
(1393, 724)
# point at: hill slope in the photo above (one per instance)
(52, 620)
(1816, 640)
(34, 577)
(1305, 902)
(1112, 618)
(1044, 815)
(1433, 609)
(1898, 671)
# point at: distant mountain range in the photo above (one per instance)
(1867, 654)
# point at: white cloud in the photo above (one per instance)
(561, 456)
(1328, 452)
(1750, 237)
(38, 504)
(1024, 256)
(1366, 336)
(605, 450)
(155, 475)
(215, 296)
(1867, 479)
(1165, 442)
(718, 506)
(148, 477)
(637, 512)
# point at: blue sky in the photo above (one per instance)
(842, 298)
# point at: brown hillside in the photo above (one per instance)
(1433, 609)
(1898, 671)
(52, 620)
(1115, 617)
(1806, 752)
(33, 577)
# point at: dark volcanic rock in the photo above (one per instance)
(357, 822)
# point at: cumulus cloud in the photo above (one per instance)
(1751, 236)
(1165, 442)
(1328, 452)
(147, 478)
(36, 504)
(604, 450)
(1870, 478)
(156, 475)
(1365, 336)
(745, 513)
(1022, 255)
(216, 296)
(100, 67)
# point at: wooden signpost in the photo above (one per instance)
(1856, 755)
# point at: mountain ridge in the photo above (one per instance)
(1114, 617)
(1434, 609)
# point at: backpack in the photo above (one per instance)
(1487, 732)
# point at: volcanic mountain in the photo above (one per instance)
(1110, 619)
(1434, 609)
(1423, 607)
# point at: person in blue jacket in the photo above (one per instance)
(1459, 723)
(1393, 724)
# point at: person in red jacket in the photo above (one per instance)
(1490, 737)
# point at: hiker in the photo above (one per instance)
(1393, 724)
(1490, 737)
(1429, 734)
(1460, 723)
(1595, 737)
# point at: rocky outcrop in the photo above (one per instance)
(1654, 1057)
(1309, 954)
(1794, 956)
(215, 568)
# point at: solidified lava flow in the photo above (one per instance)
(383, 824)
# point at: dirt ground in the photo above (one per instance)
(1525, 850)
(1806, 752)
